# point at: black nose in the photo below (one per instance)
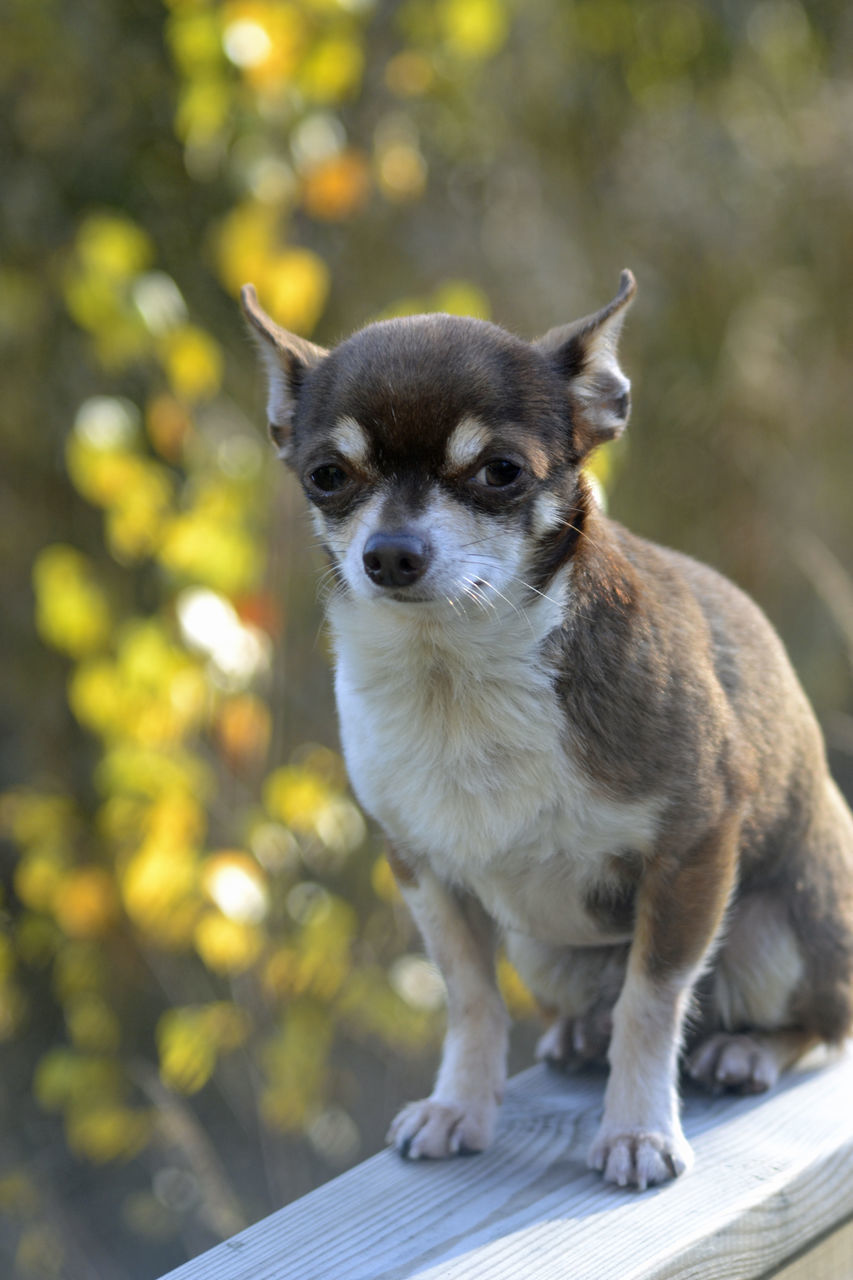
(395, 559)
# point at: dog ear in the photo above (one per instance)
(584, 353)
(287, 359)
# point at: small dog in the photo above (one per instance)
(578, 743)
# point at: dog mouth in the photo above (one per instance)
(408, 597)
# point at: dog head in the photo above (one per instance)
(441, 454)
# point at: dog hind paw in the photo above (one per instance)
(638, 1158)
(432, 1130)
(571, 1041)
(736, 1062)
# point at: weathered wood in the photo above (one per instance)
(832, 1259)
(772, 1177)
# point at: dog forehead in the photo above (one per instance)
(409, 383)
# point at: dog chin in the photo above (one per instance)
(420, 598)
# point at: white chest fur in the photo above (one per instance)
(455, 741)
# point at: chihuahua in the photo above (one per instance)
(579, 744)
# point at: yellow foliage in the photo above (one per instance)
(36, 939)
(159, 889)
(112, 246)
(79, 968)
(225, 945)
(105, 475)
(153, 693)
(292, 283)
(243, 728)
(92, 1024)
(141, 770)
(402, 170)
(332, 71)
(603, 465)
(169, 426)
(281, 977)
(319, 961)
(228, 1024)
(72, 613)
(368, 1006)
(265, 39)
(409, 74)
(85, 903)
(120, 819)
(36, 878)
(190, 1039)
(107, 1131)
(202, 109)
(134, 524)
(193, 362)
(109, 251)
(336, 188)
(66, 1078)
(296, 795)
(195, 40)
(149, 659)
(210, 543)
(460, 298)
(473, 28)
(175, 820)
(187, 1050)
(36, 818)
(136, 492)
(99, 305)
(245, 242)
(294, 1062)
(7, 957)
(517, 998)
(294, 287)
(95, 696)
(383, 882)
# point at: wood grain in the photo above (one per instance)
(772, 1177)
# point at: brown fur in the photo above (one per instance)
(402, 872)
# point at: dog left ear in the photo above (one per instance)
(287, 359)
(584, 353)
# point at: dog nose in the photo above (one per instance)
(395, 559)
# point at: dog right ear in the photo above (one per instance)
(584, 354)
(287, 359)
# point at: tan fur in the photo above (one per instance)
(465, 444)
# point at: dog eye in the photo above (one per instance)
(328, 479)
(498, 474)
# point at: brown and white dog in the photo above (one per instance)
(578, 743)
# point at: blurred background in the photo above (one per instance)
(210, 997)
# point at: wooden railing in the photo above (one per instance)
(771, 1195)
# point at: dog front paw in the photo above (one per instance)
(432, 1130)
(639, 1158)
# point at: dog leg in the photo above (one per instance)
(679, 912)
(747, 1063)
(460, 1114)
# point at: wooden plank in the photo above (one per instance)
(832, 1259)
(772, 1176)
